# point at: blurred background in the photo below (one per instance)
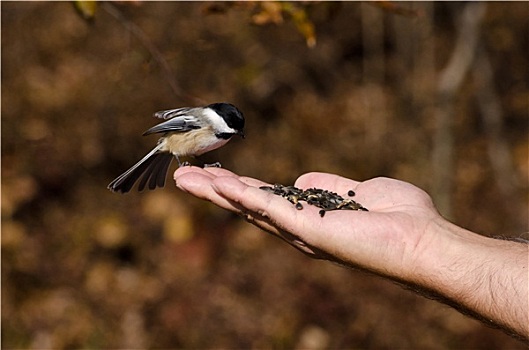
(435, 94)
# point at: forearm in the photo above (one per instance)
(481, 276)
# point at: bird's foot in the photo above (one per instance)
(213, 165)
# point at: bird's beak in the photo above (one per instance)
(240, 133)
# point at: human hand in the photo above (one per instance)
(401, 237)
(388, 239)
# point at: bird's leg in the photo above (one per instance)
(180, 164)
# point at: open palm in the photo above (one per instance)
(386, 240)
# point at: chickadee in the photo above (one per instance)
(187, 132)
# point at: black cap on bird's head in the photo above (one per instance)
(231, 115)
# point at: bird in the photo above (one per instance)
(187, 131)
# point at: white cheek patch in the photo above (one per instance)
(217, 122)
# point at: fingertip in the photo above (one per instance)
(327, 181)
(308, 179)
(185, 170)
(190, 180)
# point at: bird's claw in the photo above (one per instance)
(213, 165)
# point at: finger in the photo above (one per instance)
(196, 183)
(254, 204)
(220, 172)
(250, 181)
(189, 170)
(305, 229)
(279, 211)
(330, 182)
(257, 220)
(213, 172)
(288, 237)
(200, 186)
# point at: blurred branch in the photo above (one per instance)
(450, 81)
(491, 112)
(373, 75)
(153, 50)
(373, 44)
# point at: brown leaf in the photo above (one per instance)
(86, 8)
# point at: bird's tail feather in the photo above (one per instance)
(154, 166)
(156, 171)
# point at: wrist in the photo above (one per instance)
(479, 275)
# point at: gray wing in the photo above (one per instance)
(181, 119)
(171, 113)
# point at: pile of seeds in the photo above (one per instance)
(324, 199)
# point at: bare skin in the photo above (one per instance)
(402, 237)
